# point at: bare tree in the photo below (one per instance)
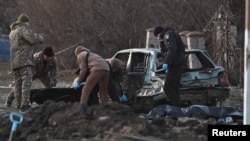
(106, 26)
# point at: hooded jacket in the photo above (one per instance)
(22, 41)
(95, 62)
(175, 48)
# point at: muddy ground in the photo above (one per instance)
(63, 122)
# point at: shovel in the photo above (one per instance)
(16, 119)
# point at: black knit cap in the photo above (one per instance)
(48, 51)
(158, 29)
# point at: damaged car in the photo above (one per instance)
(202, 82)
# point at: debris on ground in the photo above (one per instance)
(114, 121)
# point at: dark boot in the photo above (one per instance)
(83, 108)
(85, 111)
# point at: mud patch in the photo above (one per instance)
(63, 122)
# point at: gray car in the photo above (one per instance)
(202, 82)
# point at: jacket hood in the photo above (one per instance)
(165, 30)
(15, 24)
(80, 49)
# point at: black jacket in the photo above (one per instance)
(174, 47)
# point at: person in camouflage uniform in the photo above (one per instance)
(45, 70)
(46, 67)
(22, 41)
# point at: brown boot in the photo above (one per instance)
(83, 108)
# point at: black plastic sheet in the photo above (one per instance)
(197, 111)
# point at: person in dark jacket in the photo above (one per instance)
(174, 59)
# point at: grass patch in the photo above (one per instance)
(5, 73)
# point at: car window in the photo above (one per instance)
(159, 61)
(138, 62)
(123, 57)
(197, 61)
(193, 62)
(135, 62)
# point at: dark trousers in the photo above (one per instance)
(172, 85)
(113, 92)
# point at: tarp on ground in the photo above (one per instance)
(4, 49)
(197, 111)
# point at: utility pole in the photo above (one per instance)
(246, 119)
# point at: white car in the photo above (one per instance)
(202, 82)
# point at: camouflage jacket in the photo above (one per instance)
(43, 69)
(120, 75)
(22, 39)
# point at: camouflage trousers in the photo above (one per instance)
(23, 81)
(11, 96)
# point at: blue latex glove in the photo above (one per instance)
(82, 83)
(53, 87)
(76, 86)
(123, 98)
(165, 67)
